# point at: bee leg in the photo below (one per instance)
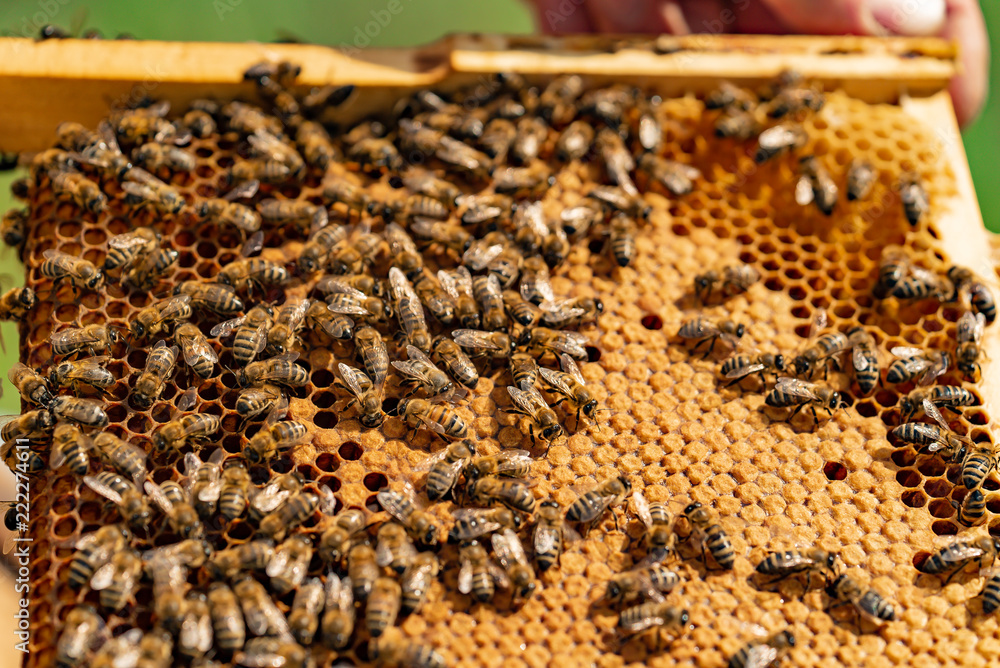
(952, 576)
(735, 381)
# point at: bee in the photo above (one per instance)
(948, 396)
(577, 220)
(496, 345)
(16, 302)
(153, 319)
(175, 503)
(734, 279)
(70, 447)
(274, 150)
(483, 210)
(845, 590)
(789, 392)
(705, 331)
(478, 574)
(337, 188)
(251, 332)
(653, 615)
(711, 536)
(144, 124)
(301, 213)
(81, 372)
(365, 393)
(60, 267)
(403, 506)
(730, 96)
(438, 418)
(540, 341)
(198, 353)
(338, 618)
(677, 178)
(335, 325)
(416, 581)
(535, 285)
(204, 483)
(226, 211)
(922, 284)
(507, 464)
(968, 335)
(471, 523)
(779, 139)
(303, 619)
(390, 649)
(282, 335)
(487, 491)
(737, 124)
(215, 297)
(972, 510)
(498, 138)
(132, 504)
(815, 185)
(94, 550)
(118, 579)
(427, 215)
(451, 355)
(383, 606)
(529, 140)
(550, 534)
(299, 507)
(796, 563)
(616, 199)
(14, 227)
(980, 297)
(394, 548)
(541, 418)
(228, 563)
(914, 363)
(280, 370)
(649, 583)
(253, 272)
(33, 424)
(864, 359)
(557, 102)
(265, 444)
(195, 636)
(253, 401)
(791, 99)
(335, 539)
(424, 182)
(88, 412)
(316, 252)
(234, 489)
(159, 367)
(178, 432)
(575, 141)
(444, 468)
(351, 301)
(351, 256)
(521, 310)
(316, 146)
(82, 630)
(409, 310)
(421, 371)
(657, 521)
(528, 181)
(932, 438)
(761, 653)
(914, 197)
(73, 186)
(287, 568)
(431, 295)
(259, 611)
(980, 459)
(860, 179)
(739, 367)
(618, 161)
(143, 189)
(227, 617)
(199, 119)
(362, 570)
(509, 551)
(155, 157)
(123, 649)
(820, 353)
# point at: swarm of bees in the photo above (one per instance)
(420, 290)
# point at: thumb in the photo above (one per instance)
(826, 17)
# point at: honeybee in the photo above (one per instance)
(304, 617)
(416, 581)
(705, 331)
(204, 481)
(845, 590)
(272, 149)
(914, 363)
(394, 547)
(737, 124)
(83, 629)
(649, 583)
(761, 653)
(316, 252)
(618, 161)
(779, 139)
(14, 227)
(509, 551)
(520, 310)
(677, 178)
(287, 568)
(144, 124)
(338, 618)
(153, 319)
(234, 489)
(266, 443)
(296, 510)
(227, 617)
(550, 534)
(215, 297)
(914, 197)
(487, 491)
(657, 521)
(159, 367)
(78, 272)
(577, 220)
(226, 211)
(336, 538)
(351, 256)
(444, 468)
(30, 384)
(948, 396)
(33, 424)
(316, 146)
(132, 504)
(451, 355)
(282, 335)
(337, 188)
(437, 418)
(478, 574)
(497, 138)
(390, 649)
(404, 507)
(421, 371)
(118, 579)
(121, 650)
(334, 325)
(70, 447)
(228, 563)
(733, 280)
(362, 570)
(252, 272)
(972, 510)
(622, 240)
(75, 187)
(799, 563)
(489, 295)
(95, 549)
(195, 636)
(297, 212)
(87, 371)
(574, 141)
(251, 332)
(730, 96)
(16, 302)
(347, 300)
(143, 189)
(789, 392)
(280, 370)
(980, 297)
(383, 606)
(198, 353)
(155, 156)
(921, 284)
(980, 459)
(409, 311)
(860, 179)
(590, 506)
(175, 503)
(178, 432)
(932, 438)
(472, 523)
(365, 393)
(431, 295)
(968, 335)
(88, 412)
(262, 616)
(253, 401)
(540, 341)
(535, 285)
(496, 345)
(815, 185)
(616, 199)
(649, 615)
(541, 418)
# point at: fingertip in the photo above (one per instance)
(965, 25)
(560, 17)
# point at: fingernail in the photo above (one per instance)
(909, 17)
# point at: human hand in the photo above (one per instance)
(959, 20)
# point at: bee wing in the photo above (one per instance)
(569, 365)
(795, 387)
(394, 503)
(141, 176)
(319, 220)
(448, 283)
(572, 344)
(127, 240)
(818, 323)
(57, 458)
(465, 575)
(70, 336)
(103, 577)
(484, 526)
(187, 400)
(399, 240)
(498, 574)
(355, 379)
(474, 338)
(64, 261)
(267, 144)
(859, 359)
(154, 492)
(502, 548)
(210, 492)
(191, 464)
(760, 656)
(544, 538)
(197, 348)
(278, 412)
(327, 500)
(516, 547)
(963, 551)
(934, 369)
(478, 256)
(95, 484)
(349, 305)
(526, 399)
(427, 463)
(277, 563)
(253, 245)
(642, 508)
(296, 313)
(906, 352)
(243, 190)
(512, 460)
(107, 134)
(561, 309)
(746, 370)
(224, 329)
(553, 379)
(932, 411)
(804, 191)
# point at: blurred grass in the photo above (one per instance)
(345, 23)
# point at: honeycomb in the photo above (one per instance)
(671, 426)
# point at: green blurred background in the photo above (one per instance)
(334, 22)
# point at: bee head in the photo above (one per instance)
(779, 362)
(95, 281)
(740, 331)
(551, 432)
(373, 420)
(252, 456)
(684, 618)
(26, 297)
(802, 365)
(10, 519)
(614, 591)
(693, 507)
(836, 401)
